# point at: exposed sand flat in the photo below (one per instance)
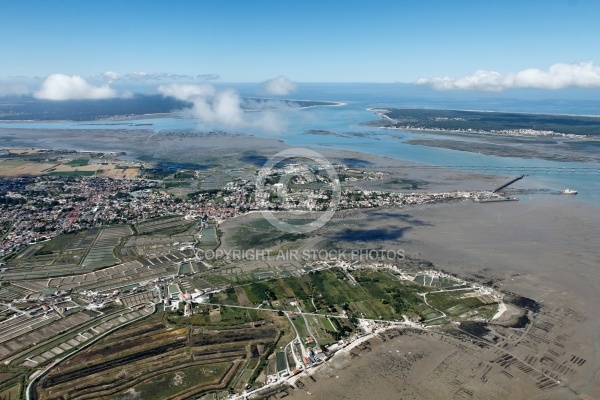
(420, 367)
(546, 250)
(535, 246)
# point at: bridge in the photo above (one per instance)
(489, 169)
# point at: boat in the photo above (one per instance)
(569, 191)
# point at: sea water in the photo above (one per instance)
(348, 121)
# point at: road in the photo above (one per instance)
(276, 310)
(441, 312)
(310, 332)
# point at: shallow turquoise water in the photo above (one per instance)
(347, 120)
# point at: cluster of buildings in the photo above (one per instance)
(35, 209)
(508, 132)
(236, 199)
(376, 198)
(39, 208)
(294, 187)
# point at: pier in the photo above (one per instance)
(499, 188)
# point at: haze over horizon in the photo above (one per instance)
(75, 50)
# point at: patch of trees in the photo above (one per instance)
(402, 300)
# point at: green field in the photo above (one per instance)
(321, 328)
(300, 326)
(284, 288)
(452, 303)
(377, 295)
(79, 162)
(72, 173)
(11, 162)
(57, 244)
(332, 287)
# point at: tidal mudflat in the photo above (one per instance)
(543, 250)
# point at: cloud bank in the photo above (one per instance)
(558, 76)
(279, 86)
(73, 87)
(222, 109)
(208, 77)
(13, 89)
(111, 76)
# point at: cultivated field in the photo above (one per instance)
(161, 361)
(37, 162)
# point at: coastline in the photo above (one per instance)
(540, 248)
(508, 132)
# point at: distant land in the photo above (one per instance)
(23, 108)
(249, 102)
(31, 109)
(488, 122)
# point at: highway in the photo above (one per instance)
(494, 169)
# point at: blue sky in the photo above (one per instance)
(305, 41)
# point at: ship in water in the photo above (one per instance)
(569, 191)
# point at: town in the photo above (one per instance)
(85, 258)
(39, 208)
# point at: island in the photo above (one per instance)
(505, 123)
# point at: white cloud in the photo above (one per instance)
(72, 87)
(187, 91)
(279, 86)
(222, 109)
(111, 76)
(558, 76)
(154, 76)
